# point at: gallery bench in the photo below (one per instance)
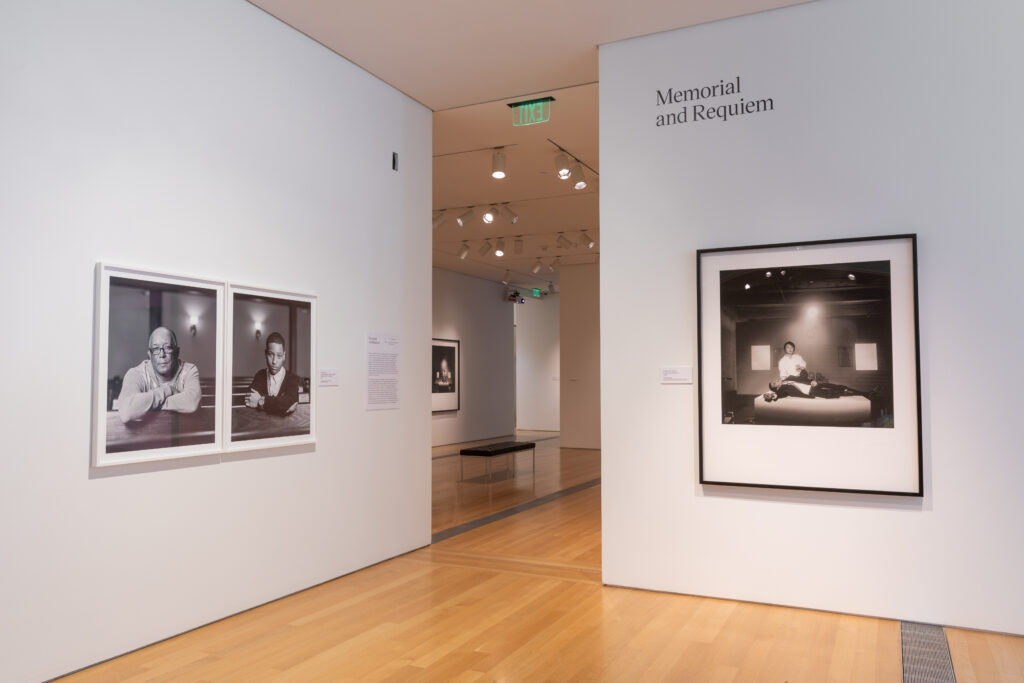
(490, 450)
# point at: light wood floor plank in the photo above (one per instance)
(520, 599)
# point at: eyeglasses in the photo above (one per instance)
(167, 350)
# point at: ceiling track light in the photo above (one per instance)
(499, 250)
(465, 218)
(489, 215)
(578, 181)
(439, 219)
(556, 263)
(485, 248)
(510, 215)
(463, 251)
(562, 166)
(505, 279)
(517, 246)
(498, 164)
(563, 242)
(537, 265)
(588, 241)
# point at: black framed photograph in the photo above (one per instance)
(808, 366)
(272, 363)
(158, 366)
(444, 375)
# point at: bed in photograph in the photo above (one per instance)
(849, 411)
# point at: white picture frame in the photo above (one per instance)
(254, 315)
(131, 422)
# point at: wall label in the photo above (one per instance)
(694, 110)
(677, 374)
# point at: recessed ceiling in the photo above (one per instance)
(464, 139)
(466, 59)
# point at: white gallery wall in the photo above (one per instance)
(580, 317)
(888, 117)
(474, 312)
(209, 139)
(537, 358)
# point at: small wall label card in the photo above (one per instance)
(677, 374)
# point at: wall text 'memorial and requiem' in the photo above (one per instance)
(695, 110)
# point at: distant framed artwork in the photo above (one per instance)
(158, 366)
(271, 359)
(445, 375)
(808, 366)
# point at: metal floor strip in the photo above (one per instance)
(925, 654)
(522, 507)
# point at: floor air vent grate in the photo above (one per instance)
(925, 654)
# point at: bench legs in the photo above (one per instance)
(510, 458)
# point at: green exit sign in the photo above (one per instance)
(530, 112)
(536, 292)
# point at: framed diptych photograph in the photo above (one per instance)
(808, 366)
(158, 366)
(444, 375)
(271, 359)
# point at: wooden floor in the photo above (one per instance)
(521, 599)
(457, 502)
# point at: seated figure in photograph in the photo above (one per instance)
(161, 382)
(443, 378)
(274, 390)
(792, 363)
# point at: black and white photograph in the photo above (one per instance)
(157, 366)
(807, 345)
(808, 365)
(444, 375)
(271, 364)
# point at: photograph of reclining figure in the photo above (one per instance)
(808, 345)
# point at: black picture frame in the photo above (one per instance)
(446, 378)
(824, 427)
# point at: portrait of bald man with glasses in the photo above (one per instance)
(161, 382)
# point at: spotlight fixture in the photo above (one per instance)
(562, 166)
(852, 276)
(555, 264)
(517, 246)
(485, 248)
(504, 280)
(259, 331)
(587, 239)
(578, 181)
(439, 219)
(463, 251)
(193, 324)
(465, 218)
(563, 242)
(510, 215)
(767, 273)
(498, 164)
(536, 266)
(746, 286)
(489, 215)
(499, 250)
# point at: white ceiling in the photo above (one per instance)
(453, 53)
(465, 59)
